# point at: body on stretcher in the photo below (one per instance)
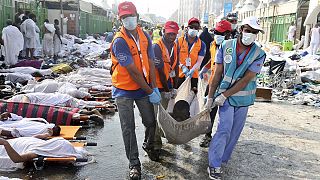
(39, 162)
(184, 131)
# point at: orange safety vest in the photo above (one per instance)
(120, 76)
(168, 67)
(213, 51)
(184, 54)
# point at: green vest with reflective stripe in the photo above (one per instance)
(232, 73)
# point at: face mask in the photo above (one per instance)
(130, 23)
(248, 38)
(193, 32)
(219, 39)
(233, 26)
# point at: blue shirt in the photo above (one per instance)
(202, 51)
(121, 51)
(158, 61)
(254, 67)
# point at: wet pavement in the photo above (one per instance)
(272, 146)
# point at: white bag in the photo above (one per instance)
(199, 123)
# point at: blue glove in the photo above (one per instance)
(185, 70)
(157, 91)
(154, 98)
(190, 74)
(202, 72)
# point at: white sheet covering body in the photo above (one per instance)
(46, 86)
(13, 44)
(199, 123)
(56, 99)
(27, 70)
(28, 127)
(56, 147)
(52, 86)
(51, 99)
(17, 77)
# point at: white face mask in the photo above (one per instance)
(233, 26)
(219, 39)
(248, 38)
(130, 23)
(193, 32)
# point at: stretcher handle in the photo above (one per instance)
(98, 98)
(80, 138)
(85, 126)
(107, 107)
(58, 159)
(82, 160)
(91, 144)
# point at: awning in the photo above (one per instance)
(312, 15)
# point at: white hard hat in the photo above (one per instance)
(253, 22)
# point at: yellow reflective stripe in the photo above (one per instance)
(244, 93)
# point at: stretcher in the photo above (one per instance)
(69, 133)
(40, 161)
(102, 98)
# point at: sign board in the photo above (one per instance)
(205, 18)
(227, 8)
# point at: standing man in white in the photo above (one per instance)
(13, 43)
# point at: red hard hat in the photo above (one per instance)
(171, 27)
(192, 20)
(223, 26)
(126, 8)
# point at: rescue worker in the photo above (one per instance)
(233, 19)
(222, 32)
(238, 61)
(156, 34)
(134, 81)
(166, 62)
(181, 32)
(191, 53)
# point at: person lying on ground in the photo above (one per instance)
(181, 111)
(53, 86)
(56, 99)
(14, 153)
(30, 127)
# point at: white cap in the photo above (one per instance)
(253, 22)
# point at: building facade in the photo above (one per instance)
(188, 9)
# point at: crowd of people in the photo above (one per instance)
(20, 38)
(148, 71)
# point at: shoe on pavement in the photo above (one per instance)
(215, 173)
(152, 153)
(135, 173)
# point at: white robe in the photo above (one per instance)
(50, 99)
(56, 99)
(13, 44)
(47, 44)
(56, 147)
(27, 127)
(26, 70)
(57, 44)
(30, 30)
